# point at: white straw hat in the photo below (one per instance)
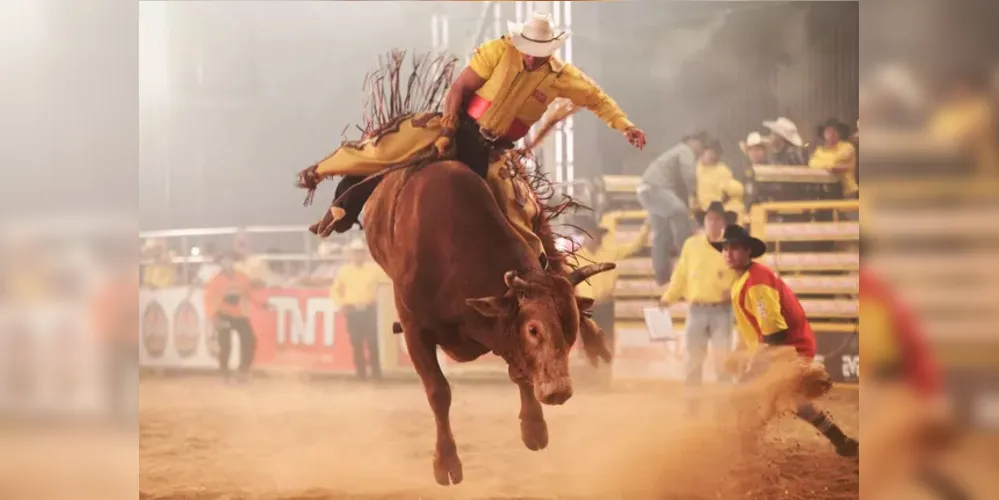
(537, 37)
(786, 129)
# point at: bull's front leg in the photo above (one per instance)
(595, 343)
(533, 428)
(423, 352)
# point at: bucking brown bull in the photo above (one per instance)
(454, 217)
(465, 281)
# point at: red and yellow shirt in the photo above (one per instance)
(512, 99)
(765, 305)
(890, 339)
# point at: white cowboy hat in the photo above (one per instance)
(537, 37)
(754, 139)
(786, 129)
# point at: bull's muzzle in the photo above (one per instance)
(553, 391)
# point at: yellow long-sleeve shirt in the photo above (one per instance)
(159, 275)
(701, 275)
(712, 181)
(842, 154)
(600, 287)
(513, 94)
(357, 285)
(970, 123)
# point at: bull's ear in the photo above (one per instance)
(490, 307)
(584, 303)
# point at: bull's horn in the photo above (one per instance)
(513, 281)
(579, 275)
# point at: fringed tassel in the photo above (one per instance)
(309, 179)
(385, 100)
(523, 164)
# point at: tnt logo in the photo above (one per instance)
(851, 366)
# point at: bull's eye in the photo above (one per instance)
(533, 331)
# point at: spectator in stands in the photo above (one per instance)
(228, 295)
(241, 244)
(255, 266)
(161, 272)
(755, 148)
(704, 280)
(966, 117)
(325, 271)
(355, 292)
(25, 271)
(786, 145)
(837, 155)
(599, 245)
(209, 267)
(713, 175)
(734, 198)
(665, 192)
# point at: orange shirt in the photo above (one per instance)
(227, 294)
(765, 305)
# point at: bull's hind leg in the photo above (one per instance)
(533, 428)
(422, 351)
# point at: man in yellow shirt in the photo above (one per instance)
(599, 245)
(966, 116)
(354, 291)
(713, 175)
(506, 88)
(837, 155)
(704, 280)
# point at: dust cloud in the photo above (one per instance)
(285, 439)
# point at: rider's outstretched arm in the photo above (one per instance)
(574, 85)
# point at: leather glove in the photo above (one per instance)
(443, 145)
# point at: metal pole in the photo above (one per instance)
(477, 37)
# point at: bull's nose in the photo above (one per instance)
(554, 392)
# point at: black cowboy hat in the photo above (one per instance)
(842, 128)
(716, 207)
(737, 235)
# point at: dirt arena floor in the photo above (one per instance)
(286, 439)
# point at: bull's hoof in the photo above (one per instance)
(447, 470)
(534, 433)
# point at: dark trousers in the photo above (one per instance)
(362, 327)
(472, 149)
(247, 341)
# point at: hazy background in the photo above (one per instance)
(236, 97)
(279, 81)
